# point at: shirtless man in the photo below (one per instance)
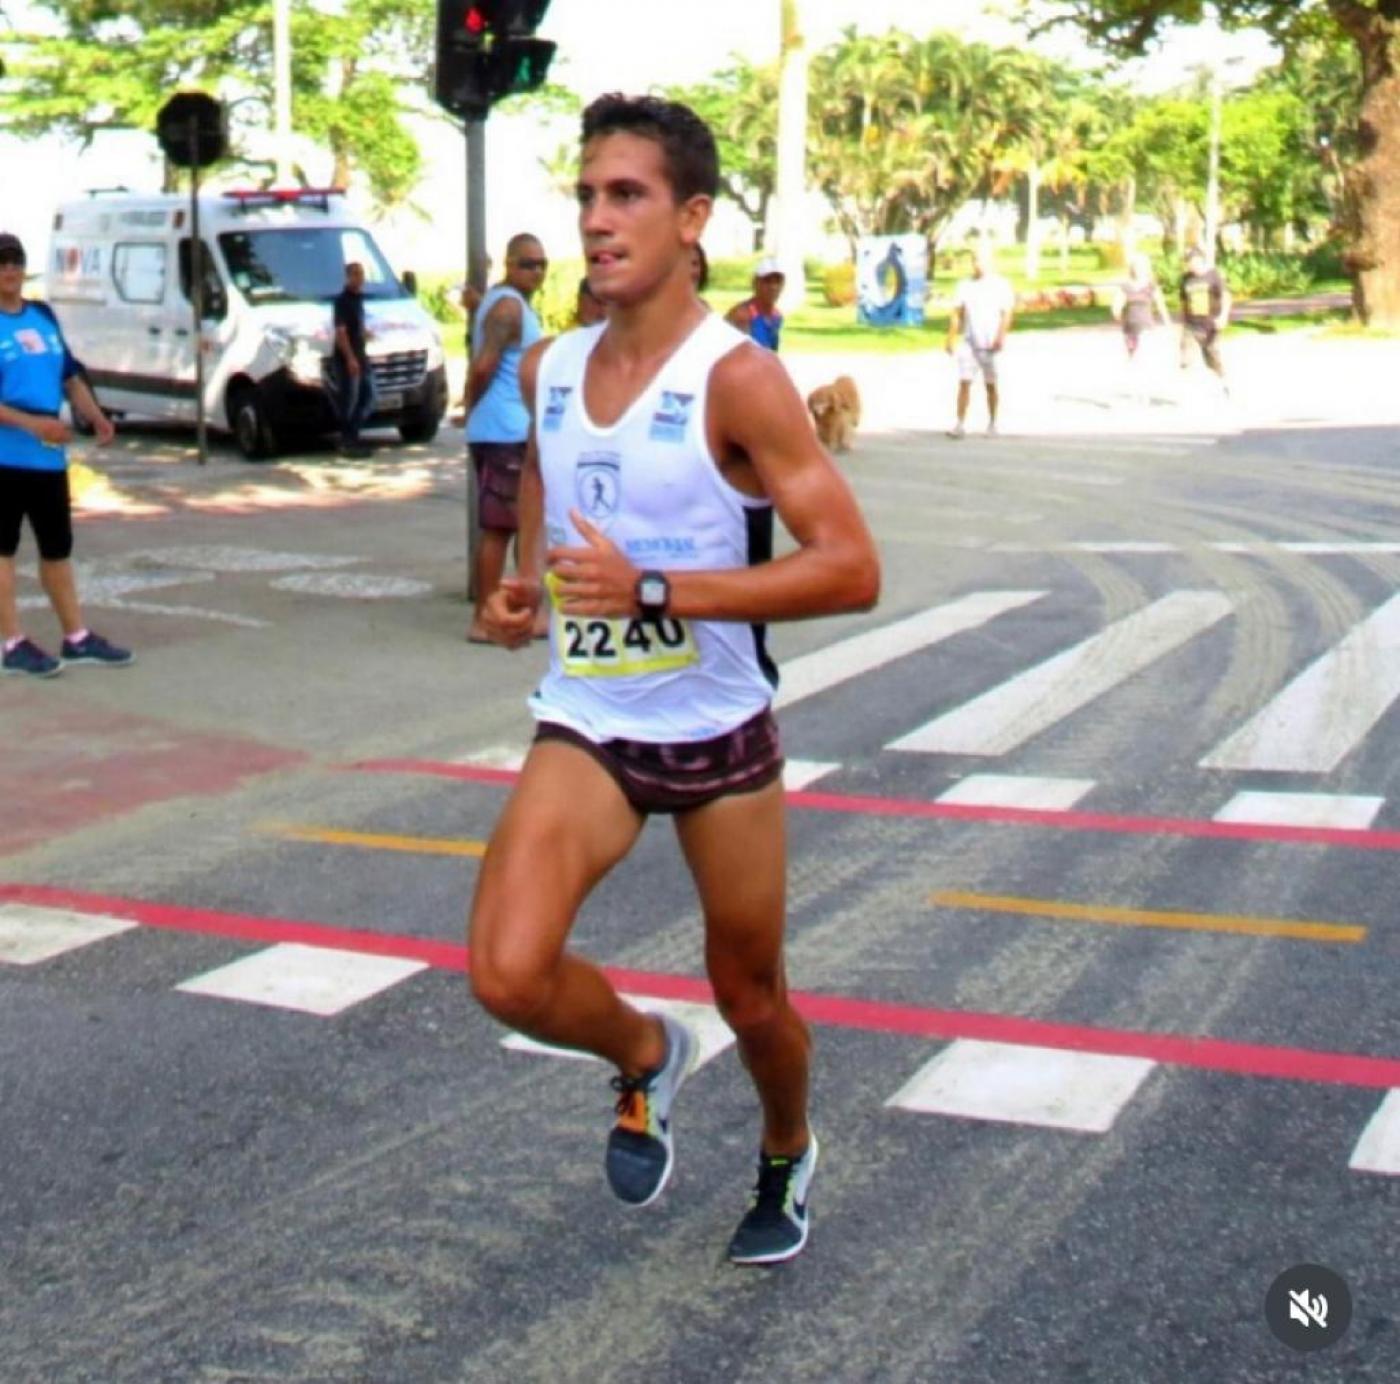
(661, 444)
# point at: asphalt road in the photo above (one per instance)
(1093, 841)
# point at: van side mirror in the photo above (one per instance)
(409, 280)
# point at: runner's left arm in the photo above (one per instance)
(756, 419)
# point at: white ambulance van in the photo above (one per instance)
(119, 281)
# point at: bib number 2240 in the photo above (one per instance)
(624, 648)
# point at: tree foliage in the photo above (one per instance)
(111, 64)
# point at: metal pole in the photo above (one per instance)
(476, 277)
(197, 296)
(282, 89)
(1212, 229)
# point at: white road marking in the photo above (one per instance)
(30, 934)
(1302, 809)
(1322, 715)
(714, 1034)
(355, 586)
(1012, 790)
(495, 757)
(213, 557)
(1024, 1085)
(1025, 705)
(313, 980)
(809, 674)
(801, 773)
(1378, 1149)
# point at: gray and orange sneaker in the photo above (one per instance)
(640, 1152)
(775, 1226)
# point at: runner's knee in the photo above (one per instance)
(513, 990)
(749, 1002)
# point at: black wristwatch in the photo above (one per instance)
(653, 594)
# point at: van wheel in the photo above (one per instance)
(419, 425)
(252, 429)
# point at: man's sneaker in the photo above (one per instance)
(93, 649)
(775, 1226)
(640, 1155)
(957, 432)
(28, 657)
(992, 430)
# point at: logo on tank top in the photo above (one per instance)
(598, 486)
(669, 422)
(553, 418)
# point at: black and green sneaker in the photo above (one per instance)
(775, 1226)
(640, 1153)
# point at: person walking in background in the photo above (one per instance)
(352, 379)
(1137, 304)
(983, 308)
(36, 372)
(1205, 313)
(758, 316)
(498, 422)
(588, 307)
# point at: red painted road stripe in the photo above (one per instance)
(1361, 839)
(836, 1011)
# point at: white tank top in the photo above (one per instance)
(650, 484)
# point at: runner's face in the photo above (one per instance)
(635, 234)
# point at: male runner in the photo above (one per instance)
(1205, 313)
(661, 443)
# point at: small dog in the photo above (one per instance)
(835, 409)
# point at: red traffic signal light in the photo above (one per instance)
(476, 22)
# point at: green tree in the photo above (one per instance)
(904, 130)
(1371, 189)
(114, 63)
(740, 104)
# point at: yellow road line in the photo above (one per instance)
(413, 845)
(1143, 917)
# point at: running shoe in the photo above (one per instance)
(640, 1154)
(775, 1226)
(93, 649)
(992, 430)
(957, 432)
(28, 657)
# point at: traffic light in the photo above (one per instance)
(486, 50)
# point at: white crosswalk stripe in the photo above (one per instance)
(1322, 715)
(1033, 701)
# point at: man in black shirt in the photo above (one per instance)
(352, 380)
(1205, 312)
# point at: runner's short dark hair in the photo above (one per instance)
(703, 282)
(692, 161)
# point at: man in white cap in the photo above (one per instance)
(758, 317)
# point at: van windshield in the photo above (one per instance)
(304, 264)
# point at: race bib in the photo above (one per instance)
(590, 646)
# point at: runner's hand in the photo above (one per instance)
(509, 612)
(54, 431)
(103, 430)
(596, 579)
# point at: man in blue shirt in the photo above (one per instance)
(758, 317)
(498, 423)
(36, 372)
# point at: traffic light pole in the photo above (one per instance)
(476, 277)
(197, 299)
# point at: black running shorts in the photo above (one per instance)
(41, 497)
(678, 777)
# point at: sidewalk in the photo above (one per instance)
(1076, 381)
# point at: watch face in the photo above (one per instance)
(653, 591)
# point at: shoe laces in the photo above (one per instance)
(631, 1104)
(770, 1192)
